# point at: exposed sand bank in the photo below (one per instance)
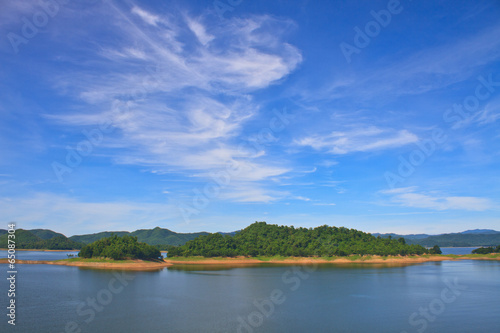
(140, 265)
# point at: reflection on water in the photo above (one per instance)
(220, 267)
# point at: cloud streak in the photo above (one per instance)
(180, 102)
(359, 140)
(408, 197)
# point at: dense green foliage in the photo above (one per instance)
(156, 236)
(435, 250)
(119, 248)
(27, 240)
(262, 239)
(487, 250)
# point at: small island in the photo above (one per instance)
(112, 253)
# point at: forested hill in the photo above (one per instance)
(30, 239)
(51, 240)
(460, 240)
(156, 236)
(478, 237)
(262, 239)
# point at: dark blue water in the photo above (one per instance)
(40, 255)
(45, 255)
(439, 297)
(55, 255)
(457, 250)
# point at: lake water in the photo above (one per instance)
(457, 250)
(45, 255)
(431, 297)
(55, 255)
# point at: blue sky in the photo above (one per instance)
(207, 116)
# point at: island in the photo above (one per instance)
(262, 243)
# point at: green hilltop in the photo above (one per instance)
(29, 239)
(51, 240)
(262, 239)
(157, 236)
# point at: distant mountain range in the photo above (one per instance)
(48, 239)
(39, 239)
(469, 238)
(156, 236)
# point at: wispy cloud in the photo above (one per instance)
(490, 113)
(409, 197)
(186, 100)
(418, 72)
(359, 140)
(146, 16)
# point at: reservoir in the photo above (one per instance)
(448, 296)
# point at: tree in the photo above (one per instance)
(435, 250)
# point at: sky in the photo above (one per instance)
(382, 116)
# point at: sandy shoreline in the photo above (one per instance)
(241, 261)
(139, 265)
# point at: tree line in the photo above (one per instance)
(262, 239)
(487, 250)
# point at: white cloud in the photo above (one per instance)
(251, 194)
(484, 116)
(421, 71)
(146, 16)
(180, 105)
(199, 30)
(410, 198)
(359, 140)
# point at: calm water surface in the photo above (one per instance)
(457, 250)
(39, 255)
(326, 298)
(55, 255)
(45, 255)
